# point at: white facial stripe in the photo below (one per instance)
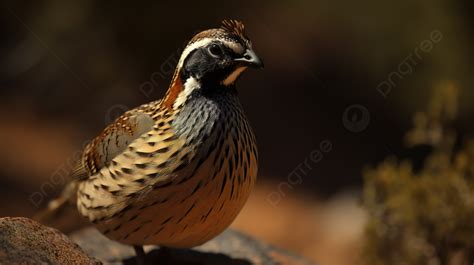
(192, 47)
(189, 86)
(237, 48)
(233, 76)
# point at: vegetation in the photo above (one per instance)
(424, 216)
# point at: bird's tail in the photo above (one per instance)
(56, 206)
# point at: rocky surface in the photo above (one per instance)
(230, 248)
(24, 241)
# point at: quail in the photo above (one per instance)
(175, 172)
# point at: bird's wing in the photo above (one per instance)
(113, 140)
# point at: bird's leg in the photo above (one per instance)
(140, 255)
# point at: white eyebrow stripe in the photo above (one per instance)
(192, 47)
(237, 48)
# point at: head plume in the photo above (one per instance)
(235, 27)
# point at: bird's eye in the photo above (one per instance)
(215, 50)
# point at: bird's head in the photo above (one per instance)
(218, 55)
(214, 57)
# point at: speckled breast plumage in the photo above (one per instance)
(182, 181)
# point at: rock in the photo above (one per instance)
(24, 241)
(229, 248)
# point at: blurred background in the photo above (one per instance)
(342, 82)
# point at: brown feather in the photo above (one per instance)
(173, 92)
(113, 140)
(235, 27)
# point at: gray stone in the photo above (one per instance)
(229, 248)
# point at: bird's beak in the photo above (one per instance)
(250, 59)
